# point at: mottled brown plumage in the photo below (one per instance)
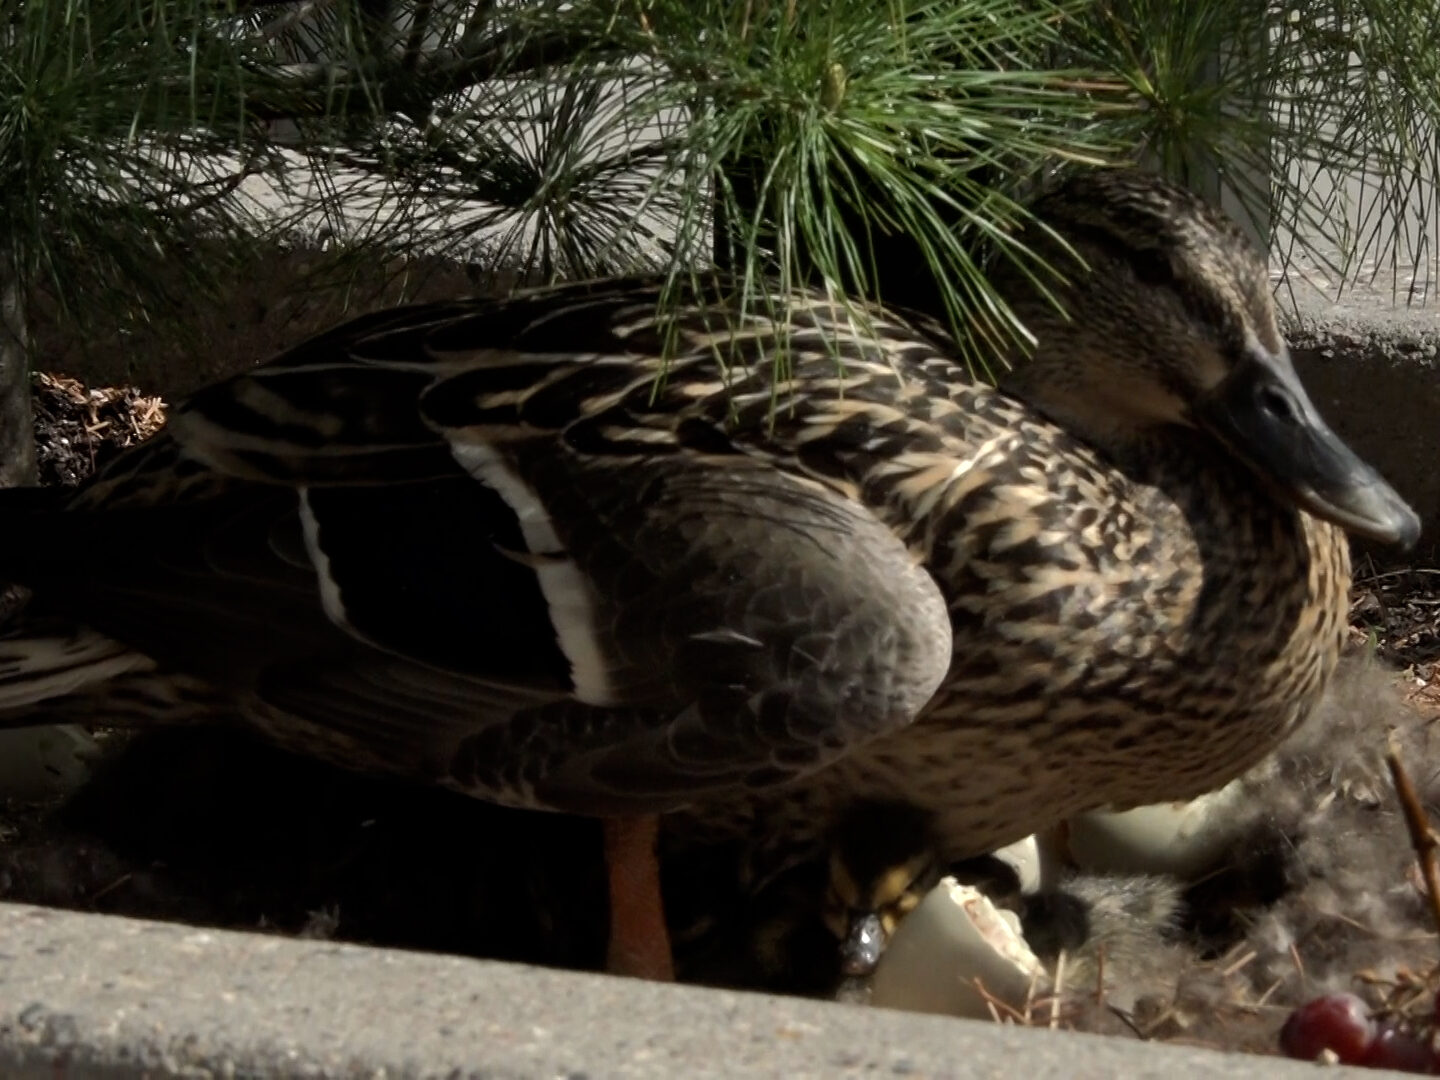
(555, 552)
(1137, 616)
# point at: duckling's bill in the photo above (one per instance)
(1262, 413)
(865, 940)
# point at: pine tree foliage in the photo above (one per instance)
(791, 140)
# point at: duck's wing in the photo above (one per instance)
(475, 540)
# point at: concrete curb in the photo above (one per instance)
(1372, 366)
(91, 997)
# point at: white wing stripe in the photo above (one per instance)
(330, 597)
(565, 587)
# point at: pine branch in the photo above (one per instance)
(410, 84)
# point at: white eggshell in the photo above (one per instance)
(1182, 838)
(1027, 860)
(939, 951)
(41, 762)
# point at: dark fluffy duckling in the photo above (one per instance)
(883, 858)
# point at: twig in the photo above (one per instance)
(103, 892)
(1030, 996)
(1100, 977)
(1299, 964)
(1125, 1018)
(1422, 835)
(1388, 574)
(998, 1005)
(291, 18)
(1263, 998)
(1155, 1024)
(419, 25)
(1058, 990)
(317, 88)
(1238, 965)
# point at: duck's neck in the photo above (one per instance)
(1272, 580)
(1189, 486)
(1115, 420)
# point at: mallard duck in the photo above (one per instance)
(1142, 551)
(558, 552)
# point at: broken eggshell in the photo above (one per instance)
(40, 762)
(1031, 863)
(1182, 838)
(955, 938)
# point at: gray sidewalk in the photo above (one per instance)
(89, 996)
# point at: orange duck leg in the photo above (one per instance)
(639, 939)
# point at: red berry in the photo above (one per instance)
(1336, 1022)
(1395, 1049)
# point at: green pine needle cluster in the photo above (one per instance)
(817, 141)
(825, 129)
(124, 146)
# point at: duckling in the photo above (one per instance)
(566, 551)
(1086, 929)
(171, 826)
(729, 931)
(880, 865)
(1115, 927)
(818, 926)
(883, 859)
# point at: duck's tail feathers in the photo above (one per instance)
(45, 662)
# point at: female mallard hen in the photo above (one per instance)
(555, 552)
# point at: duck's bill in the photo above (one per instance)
(1262, 413)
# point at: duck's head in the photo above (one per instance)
(1171, 321)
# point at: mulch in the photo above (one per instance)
(1396, 612)
(79, 429)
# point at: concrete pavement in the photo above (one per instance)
(89, 997)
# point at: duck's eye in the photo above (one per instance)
(1277, 404)
(1152, 268)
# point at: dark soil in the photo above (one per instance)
(1400, 609)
